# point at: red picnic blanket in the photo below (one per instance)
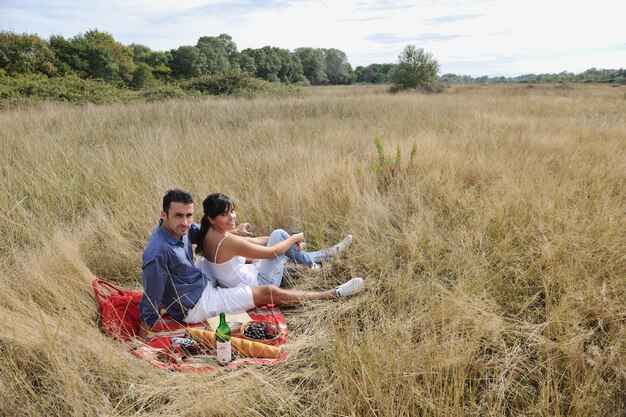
(119, 312)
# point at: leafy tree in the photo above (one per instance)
(141, 53)
(162, 71)
(313, 65)
(20, 54)
(366, 74)
(102, 48)
(384, 72)
(67, 59)
(291, 68)
(266, 62)
(230, 47)
(142, 76)
(216, 54)
(187, 62)
(416, 68)
(374, 73)
(245, 62)
(338, 70)
(94, 54)
(100, 63)
(158, 61)
(275, 64)
(450, 78)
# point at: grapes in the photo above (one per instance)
(260, 331)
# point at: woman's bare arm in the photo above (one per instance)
(237, 246)
(261, 240)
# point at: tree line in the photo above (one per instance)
(97, 55)
(592, 75)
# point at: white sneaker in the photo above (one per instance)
(340, 247)
(348, 289)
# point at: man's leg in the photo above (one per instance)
(268, 294)
(225, 300)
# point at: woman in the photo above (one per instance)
(229, 258)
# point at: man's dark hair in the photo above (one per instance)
(176, 196)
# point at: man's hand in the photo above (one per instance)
(244, 229)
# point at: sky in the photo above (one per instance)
(468, 37)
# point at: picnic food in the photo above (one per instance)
(262, 331)
(270, 331)
(244, 347)
(205, 337)
(256, 349)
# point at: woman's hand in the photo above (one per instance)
(298, 239)
(244, 229)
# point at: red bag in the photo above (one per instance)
(119, 309)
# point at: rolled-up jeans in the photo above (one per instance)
(271, 270)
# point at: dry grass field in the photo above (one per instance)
(495, 260)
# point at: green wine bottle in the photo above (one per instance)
(222, 341)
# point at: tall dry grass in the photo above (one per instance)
(495, 262)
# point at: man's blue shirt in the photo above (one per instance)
(170, 279)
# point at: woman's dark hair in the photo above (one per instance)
(213, 206)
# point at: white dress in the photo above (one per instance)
(229, 274)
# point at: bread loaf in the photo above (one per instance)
(255, 349)
(204, 337)
(245, 347)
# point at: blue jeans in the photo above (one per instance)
(271, 270)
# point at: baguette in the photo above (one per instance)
(204, 337)
(245, 347)
(255, 349)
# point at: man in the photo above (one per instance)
(172, 281)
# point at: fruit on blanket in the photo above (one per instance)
(270, 331)
(242, 346)
(259, 330)
(256, 330)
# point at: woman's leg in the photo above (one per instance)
(310, 258)
(328, 254)
(271, 270)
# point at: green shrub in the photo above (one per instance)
(70, 89)
(390, 171)
(416, 69)
(232, 83)
(142, 76)
(163, 92)
(73, 89)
